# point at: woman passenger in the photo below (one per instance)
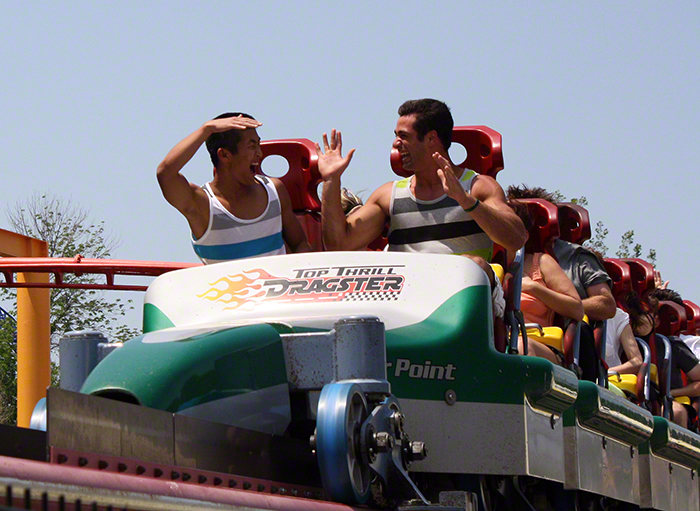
(619, 338)
(546, 291)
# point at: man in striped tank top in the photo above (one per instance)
(238, 214)
(441, 208)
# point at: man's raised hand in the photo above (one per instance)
(232, 123)
(659, 283)
(330, 161)
(450, 183)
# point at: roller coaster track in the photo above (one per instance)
(65, 270)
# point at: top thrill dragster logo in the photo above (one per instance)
(333, 284)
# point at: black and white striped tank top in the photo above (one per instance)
(436, 226)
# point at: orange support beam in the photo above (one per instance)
(33, 326)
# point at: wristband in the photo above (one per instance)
(469, 210)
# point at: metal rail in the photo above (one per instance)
(79, 266)
(54, 486)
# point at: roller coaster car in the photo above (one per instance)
(252, 343)
(588, 425)
(669, 443)
(286, 345)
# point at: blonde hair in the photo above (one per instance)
(349, 201)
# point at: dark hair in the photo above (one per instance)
(667, 295)
(638, 309)
(431, 114)
(523, 213)
(225, 139)
(525, 192)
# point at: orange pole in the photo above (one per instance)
(33, 326)
(33, 345)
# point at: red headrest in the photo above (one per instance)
(692, 314)
(620, 274)
(302, 179)
(672, 319)
(642, 274)
(483, 145)
(545, 225)
(574, 223)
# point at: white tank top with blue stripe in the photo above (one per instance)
(228, 237)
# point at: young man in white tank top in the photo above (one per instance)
(237, 214)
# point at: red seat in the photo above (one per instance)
(672, 319)
(692, 313)
(620, 274)
(545, 225)
(483, 146)
(642, 273)
(301, 181)
(542, 233)
(642, 281)
(574, 223)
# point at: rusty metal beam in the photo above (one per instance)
(104, 487)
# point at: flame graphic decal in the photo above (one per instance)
(236, 290)
(252, 288)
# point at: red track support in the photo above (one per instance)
(59, 267)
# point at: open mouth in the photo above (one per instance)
(254, 167)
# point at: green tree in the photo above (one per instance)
(581, 201)
(627, 248)
(8, 373)
(68, 231)
(597, 242)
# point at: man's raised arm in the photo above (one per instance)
(175, 187)
(331, 166)
(365, 223)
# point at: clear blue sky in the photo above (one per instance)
(592, 98)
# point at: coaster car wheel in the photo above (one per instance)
(345, 473)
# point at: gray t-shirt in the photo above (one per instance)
(581, 266)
